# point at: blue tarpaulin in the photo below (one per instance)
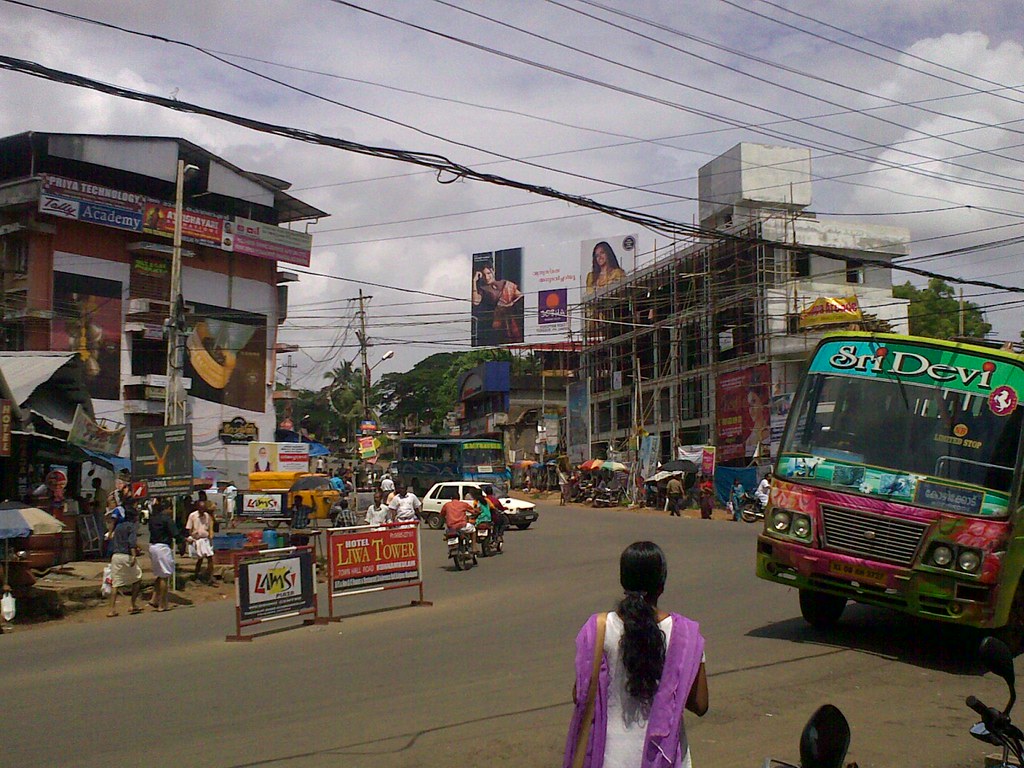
(725, 475)
(116, 463)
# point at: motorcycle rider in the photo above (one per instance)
(456, 517)
(762, 490)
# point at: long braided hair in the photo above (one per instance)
(642, 572)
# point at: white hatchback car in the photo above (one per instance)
(520, 513)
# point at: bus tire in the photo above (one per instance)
(820, 609)
(434, 520)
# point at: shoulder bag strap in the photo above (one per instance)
(588, 712)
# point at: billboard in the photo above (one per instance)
(498, 300)
(92, 203)
(227, 357)
(274, 586)
(87, 321)
(553, 306)
(372, 558)
(162, 456)
(742, 417)
(578, 417)
(279, 457)
(603, 261)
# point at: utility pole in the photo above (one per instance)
(961, 311)
(364, 352)
(174, 394)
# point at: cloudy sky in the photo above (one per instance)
(914, 112)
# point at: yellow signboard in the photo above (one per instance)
(829, 310)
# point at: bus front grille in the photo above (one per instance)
(889, 539)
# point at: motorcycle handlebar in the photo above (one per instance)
(985, 712)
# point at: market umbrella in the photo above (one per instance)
(679, 465)
(614, 466)
(591, 464)
(657, 477)
(524, 463)
(18, 520)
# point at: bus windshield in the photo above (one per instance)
(903, 427)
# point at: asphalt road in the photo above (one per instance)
(484, 677)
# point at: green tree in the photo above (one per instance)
(935, 311)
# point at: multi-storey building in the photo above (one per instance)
(706, 345)
(86, 223)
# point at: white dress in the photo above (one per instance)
(627, 722)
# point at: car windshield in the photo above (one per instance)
(911, 428)
(311, 484)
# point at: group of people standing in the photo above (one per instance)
(165, 536)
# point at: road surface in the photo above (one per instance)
(483, 678)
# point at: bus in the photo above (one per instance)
(898, 483)
(425, 460)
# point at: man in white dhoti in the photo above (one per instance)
(200, 539)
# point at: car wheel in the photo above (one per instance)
(434, 520)
(522, 526)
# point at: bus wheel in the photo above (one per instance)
(435, 521)
(819, 609)
(1013, 633)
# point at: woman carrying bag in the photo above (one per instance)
(636, 669)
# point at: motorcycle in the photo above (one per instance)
(823, 743)
(995, 726)
(751, 509)
(604, 497)
(460, 549)
(487, 536)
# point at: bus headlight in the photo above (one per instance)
(781, 520)
(969, 560)
(942, 556)
(801, 526)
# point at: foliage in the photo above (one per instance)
(427, 393)
(935, 311)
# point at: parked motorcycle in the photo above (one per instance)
(823, 743)
(995, 726)
(460, 549)
(751, 509)
(605, 497)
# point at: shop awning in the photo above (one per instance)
(116, 463)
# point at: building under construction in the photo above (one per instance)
(706, 345)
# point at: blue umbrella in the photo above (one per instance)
(18, 520)
(13, 524)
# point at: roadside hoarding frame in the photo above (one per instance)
(337, 535)
(239, 560)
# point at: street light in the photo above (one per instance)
(366, 383)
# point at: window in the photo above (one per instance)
(149, 356)
(448, 492)
(801, 264)
(854, 271)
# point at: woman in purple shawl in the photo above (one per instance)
(652, 666)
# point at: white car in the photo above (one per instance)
(519, 513)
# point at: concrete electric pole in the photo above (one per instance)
(174, 392)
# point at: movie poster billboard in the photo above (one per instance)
(226, 357)
(497, 297)
(578, 417)
(87, 321)
(604, 261)
(742, 417)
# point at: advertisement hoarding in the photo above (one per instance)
(88, 322)
(279, 457)
(578, 417)
(266, 241)
(227, 357)
(162, 456)
(498, 300)
(86, 433)
(261, 504)
(6, 427)
(742, 418)
(92, 203)
(364, 558)
(604, 261)
(275, 585)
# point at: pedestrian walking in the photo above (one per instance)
(629, 709)
(674, 491)
(707, 498)
(124, 562)
(162, 533)
(736, 494)
(200, 538)
(378, 513)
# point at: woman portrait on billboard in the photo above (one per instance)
(605, 268)
(501, 302)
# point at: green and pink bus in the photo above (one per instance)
(898, 483)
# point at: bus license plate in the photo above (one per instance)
(857, 573)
